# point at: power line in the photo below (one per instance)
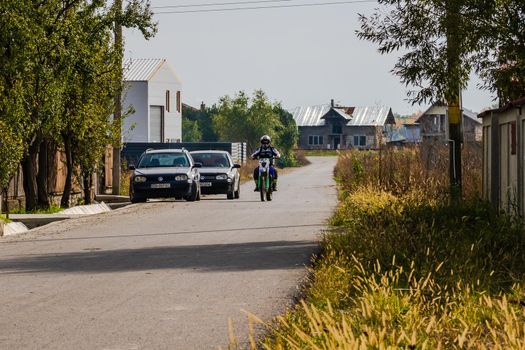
(266, 7)
(220, 4)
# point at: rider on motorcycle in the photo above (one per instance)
(266, 150)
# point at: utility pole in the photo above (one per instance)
(117, 114)
(452, 95)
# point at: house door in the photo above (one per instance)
(156, 124)
(337, 142)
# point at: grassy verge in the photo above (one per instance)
(321, 153)
(4, 219)
(53, 209)
(406, 270)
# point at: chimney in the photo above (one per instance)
(332, 103)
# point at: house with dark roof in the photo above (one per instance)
(153, 93)
(337, 127)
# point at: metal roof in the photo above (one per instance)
(369, 116)
(310, 116)
(361, 116)
(142, 69)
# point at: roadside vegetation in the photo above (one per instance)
(52, 209)
(401, 268)
(244, 118)
(60, 78)
(4, 219)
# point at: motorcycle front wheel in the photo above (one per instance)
(262, 188)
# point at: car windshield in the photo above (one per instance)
(164, 160)
(212, 160)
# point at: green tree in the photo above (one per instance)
(242, 118)
(440, 39)
(501, 58)
(287, 136)
(190, 130)
(56, 62)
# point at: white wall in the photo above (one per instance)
(165, 79)
(135, 126)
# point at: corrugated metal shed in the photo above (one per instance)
(142, 69)
(361, 116)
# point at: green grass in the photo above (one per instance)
(4, 219)
(321, 153)
(53, 209)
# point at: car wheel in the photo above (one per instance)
(137, 199)
(230, 195)
(194, 193)
(237, 194)
(199, 194)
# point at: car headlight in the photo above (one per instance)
(222, 177)
(140, 179)
(181, 177)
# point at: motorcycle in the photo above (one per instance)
(265, 180)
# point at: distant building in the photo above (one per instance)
(434, 125)
(153, 90)
(503, 156)
(337, 127)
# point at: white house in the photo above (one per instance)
(153, 90)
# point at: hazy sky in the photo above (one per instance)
(300, 56)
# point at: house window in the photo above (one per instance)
(178, 101)
(337, 129)
(167, 100)
(315, 140)
(359, 140)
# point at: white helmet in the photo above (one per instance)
(266, 139)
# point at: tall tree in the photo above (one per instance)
(242, 118)
(287, 135)
(440, 39)
(501, 58)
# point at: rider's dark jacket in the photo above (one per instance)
(266, 152)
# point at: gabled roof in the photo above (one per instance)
(337, 112)
(144, 69)
(466, 112)
(356, 116)
(372, 116)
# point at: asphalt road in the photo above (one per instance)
(163, 275)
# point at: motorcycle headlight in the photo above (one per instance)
(221, 177)
(181, 178)
(140, 179)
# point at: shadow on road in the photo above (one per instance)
(217, 257)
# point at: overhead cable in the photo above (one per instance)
(266, 7)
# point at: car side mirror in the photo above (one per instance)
(237, 166)
(197, 165)
(131, 167)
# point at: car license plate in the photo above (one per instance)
(206, 184)
(160, 186)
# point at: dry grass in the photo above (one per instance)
(401, 170)
(404, 269)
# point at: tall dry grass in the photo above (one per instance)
(402, 268)
(424, 167)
